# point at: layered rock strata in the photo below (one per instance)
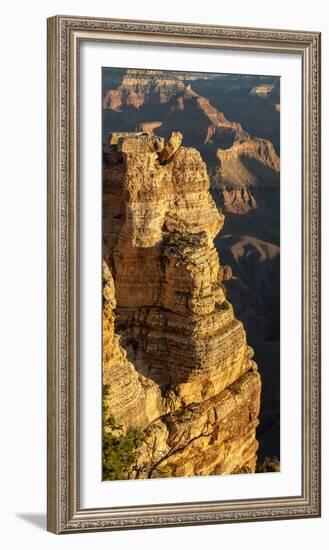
(129, 394)
(186, 375)
(137, 87)
(144, 94)
(249, 176)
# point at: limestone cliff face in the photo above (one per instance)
(248, 176)
(212, 123)
(139, 86)
(136, 88)
(132, 399)
(189, 378)
(172, 98)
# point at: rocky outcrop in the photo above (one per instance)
(150, 126)
(215, 436)
(248, 191)
(132, 399)
(258, 264)
(144, 94)
(248, 176)
(227, 273)
(180, 333)
(137, 87)
(200, 120)
(262, 90)
(172, 145)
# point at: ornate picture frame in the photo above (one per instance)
(65, 36)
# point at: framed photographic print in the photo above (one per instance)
(183, 274)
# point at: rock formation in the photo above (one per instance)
(199, 120)
(172, 145)
(137, 87)
(248, 191)
(149, 126)
(129, 394)
(262, 90)
(145, 94)
(249, 176)
(178, 364)
(250, 239)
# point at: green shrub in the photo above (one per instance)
(268, 464)
(183, 414)
(119, 449)
(119, 453)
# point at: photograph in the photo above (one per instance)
(191, 273)
(183, 307)
(162, 276)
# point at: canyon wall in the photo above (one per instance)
(249, 176)
(153, 100)
(247, 189)
(176, 361)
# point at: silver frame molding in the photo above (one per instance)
(65, 34)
